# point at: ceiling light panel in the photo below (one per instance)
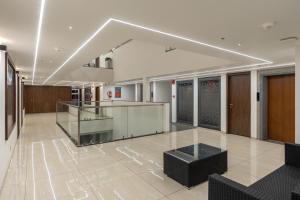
(40, 23)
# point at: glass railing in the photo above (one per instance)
(94, 122)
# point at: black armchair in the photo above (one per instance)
(282, 184)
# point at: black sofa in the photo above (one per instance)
(282, 184)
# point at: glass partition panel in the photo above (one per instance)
(95, 123)
(145, 120)
(102, 124)
(67, 119)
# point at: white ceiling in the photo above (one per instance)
(238, 21)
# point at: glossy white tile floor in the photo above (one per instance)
(46, 165)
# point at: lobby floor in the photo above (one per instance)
(46, 165)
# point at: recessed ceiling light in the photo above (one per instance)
(239, 44)
(268, 25)
(70, 27)
(57, 49)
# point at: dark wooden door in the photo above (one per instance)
(281, 108)
(239, 104)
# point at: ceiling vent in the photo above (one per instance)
(289, 38)
(169, 49)
(120, 45)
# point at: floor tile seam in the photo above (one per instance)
(6, 173)
(165, 195)
(137, 174)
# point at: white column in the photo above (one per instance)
(136, 92)
(166, 117)
(195, 101)
(101, 93)
(174, 102)
(297, 95)
(254, 104)
(154, 88)
(224, 103)
(146, 90)
(82, 95)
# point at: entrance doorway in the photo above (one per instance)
(239, 104)
(185, 101)
(281, 108)
(209, 103)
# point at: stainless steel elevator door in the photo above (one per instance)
(185, 102)
(209, 100)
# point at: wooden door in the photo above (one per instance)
(281, 108)
(239, 104)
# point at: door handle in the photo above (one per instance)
(230, 106)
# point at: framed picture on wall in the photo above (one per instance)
(118, 92)
(10, 96)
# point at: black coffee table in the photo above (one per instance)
(191, 165)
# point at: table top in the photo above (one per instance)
(195, 152)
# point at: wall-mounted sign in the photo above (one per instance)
(118, 92)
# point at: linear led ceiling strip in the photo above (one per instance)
(155, 31)
(38, 38)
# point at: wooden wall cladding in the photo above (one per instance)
(42, 99)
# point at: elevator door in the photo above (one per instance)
(281, 108)
(209, 103)
(239, 104)
(185, 102)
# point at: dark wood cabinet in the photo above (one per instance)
(42, 99)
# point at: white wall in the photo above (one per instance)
(139, 59)
(162, 91)
(6, 147)
(127, 93)
(297, 88)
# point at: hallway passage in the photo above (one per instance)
(46, 165)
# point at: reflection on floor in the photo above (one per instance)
(180, 126)
(47, 165)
